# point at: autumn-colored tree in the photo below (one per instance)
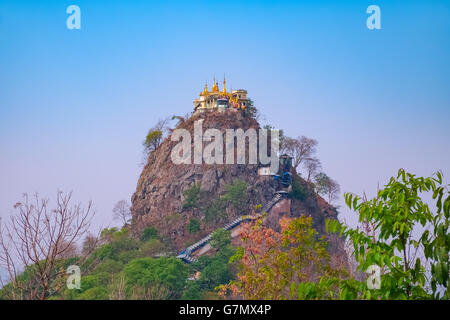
(291, 264)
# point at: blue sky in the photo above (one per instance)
(75, 105)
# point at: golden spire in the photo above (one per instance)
(205, 91)
(215, 87)
(224, 91)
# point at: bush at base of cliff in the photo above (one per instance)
(149, 273)
(149, 233)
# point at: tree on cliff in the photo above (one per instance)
(327, 187)
(121, 212)
(154, 137)
(312, 166)
(35, 239)
(299, 149)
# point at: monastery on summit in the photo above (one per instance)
(220, 99)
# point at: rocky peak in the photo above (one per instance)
(158, 200)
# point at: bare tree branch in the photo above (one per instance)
(35, 239)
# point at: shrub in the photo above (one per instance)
(96, 293)
(192, 292)
(193, 226)
(236, 193)
(149, 233)
(170, 273)
(192, 197)
(220, 238)
(127, 256)
(152, 247)
(109, 266)
(216, 211)
(216, 273)
(298, 190)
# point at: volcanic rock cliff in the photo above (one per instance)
(158, 200)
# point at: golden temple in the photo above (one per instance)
(220, 100)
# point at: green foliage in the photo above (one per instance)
(201, 262)
(194, 225)
(216, 211)
(396, 211)
(93, 287)
(214, 270)
(214, 274)
(251, 110)
(109, 266)
(120, 247)
(298, 190)
(108, 233)
(236, 193)
(220, 238)
(192, 291)
(128, 255)
(192, 197)
(153, 140)
(147, 272)
(149, 233)
(152, 247)
(96, 293)
(321, 181)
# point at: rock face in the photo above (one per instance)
(158, 200)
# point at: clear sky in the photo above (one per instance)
(75, 105)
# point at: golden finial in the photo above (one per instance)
(205, 91)
(215, 87)
(224, 91)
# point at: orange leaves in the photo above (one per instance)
(271, 261)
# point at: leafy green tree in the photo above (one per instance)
(128, 255)
(395, 212)
(193, 197)
(216, 211)
(326, 186)
(220, 238)
(298, 190)
(192, 291)
(236, 193)
(148, 272)
(96, 293)
(152, 247)
(149, 233)
(109, 266)
(153, 140)
(108, 233)
(194, 225)
(214, 274)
